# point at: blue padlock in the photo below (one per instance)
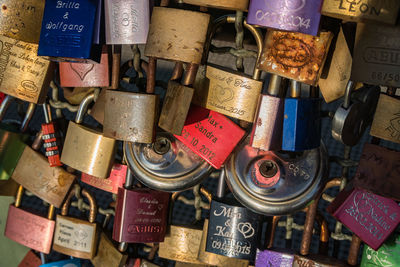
(71, 31)
(302, 121)
(65, 263)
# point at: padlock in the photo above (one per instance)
(240, 5)
(205, 134)
(71, 30)
(387, 255)
(141, 263)
(127, 22)
(51, 138)
(85, 149)
(268, 122)
(386, 123)
(23, 74)
(30, 260)
(112, 183)
(167, 164)
(29, 229)
(86, 74)
(77, 237)
(276, 257)
(302, 121)
(97, 111)
(295, 56)
(362, 10)
(376, 55)
(140, 214)
(295, 16)
(64, 263)
(377, 171)
(371, 217)
(230, 92)
(272, 183)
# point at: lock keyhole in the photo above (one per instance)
(162, 145)
(268, 169)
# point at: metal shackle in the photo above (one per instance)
(92, 204)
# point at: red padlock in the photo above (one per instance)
(51, 139)
(112, 183)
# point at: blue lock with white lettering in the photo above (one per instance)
(302, 121)
(65, 263)
(71, 31)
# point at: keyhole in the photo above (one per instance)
(268, 169)
(161, 145)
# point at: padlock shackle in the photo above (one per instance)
(47, 112)
(324, 234)
(347, 95)
(295, 89)
(190, 74)
(274, 86)
(4, 105)
(151, 75)
(83, 106)
(221, 184)
(177, 72)
(91, 199)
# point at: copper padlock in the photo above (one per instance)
(30, 260)
(241, 5)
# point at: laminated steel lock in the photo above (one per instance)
(376, 55)
(85, 149)
(241, 5)
(230, 92)
(295, 56)
(205, 133)
(29, 229)
(64, 263)
(70, 30)
(30, 260)
(51, 138)
(362, 10)
(302, 121)
(295, 16)
(387, 255)
(140, 215)
(268, 122)
(22, 20)
(273, 183)
(127, 22)
(279, 257)
(371, 217)
(112, 183)
(23, 74)
(167, 164)
(77, 237)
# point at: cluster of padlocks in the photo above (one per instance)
(260, 137)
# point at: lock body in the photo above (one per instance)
(81, 149)
(97, 111)
(112, 183)
(108, 254)
(387, 255)
(121, 120)
(27, 77)
(317, 260)
(280, 258)
(296, 56)
(30, 260)
(10, 152)
(141, 216)
(64, 263)
(241, 5)
(296, 16)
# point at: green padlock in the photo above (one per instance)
(387, 255)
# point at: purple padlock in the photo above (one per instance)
(282, 258)
(288, 15)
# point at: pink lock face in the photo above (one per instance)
(112, 183)
(210, 135)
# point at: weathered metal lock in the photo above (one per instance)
(167, 164)
(51, 137)
(241, 5)
(302, 121)
(77, 237)
(387, 255)
(295, 16)
(64, 263)
(127, 22)
(29, 229)
(371, 217)
(85, 149)
(112, 183)
(362, 10)
(278, 257)
(273, 183)
(295, 56)
(230, 92)
(268, 122)
(140, 215)
(23, 74)
(70, 31)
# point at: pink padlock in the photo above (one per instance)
(112, 183)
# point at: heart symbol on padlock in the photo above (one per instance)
(223, 94)
(81, 69)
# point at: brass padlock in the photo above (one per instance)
(76, 237)
(97, 111)
(241, 5)
(85, 149)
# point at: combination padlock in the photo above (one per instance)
(51, 137)
(241, 5)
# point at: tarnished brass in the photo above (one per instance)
(22, 19)
(75, 95)
(242, 5)
(33, 172)
(181, 38)
(97, 111)
(100, 148)
(175, 108)
(107, 254)
(296, 56)
(377, 10)
(23, 74)
(121, 123)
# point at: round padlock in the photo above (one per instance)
(167, 164)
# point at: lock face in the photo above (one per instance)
(296, 16)
(108, 254)
(221, 4)
(22, 20)
(376, 54)
(165, 34)
(26, 78)
(205, 133)
(377, 171)
(140, 216)
(232, 231)
(112, 183)
(127, 22)
(386, 120)
(274, 258)
(359, 210)
(86, 74)
(363, 10)
(65, 263)
(387, 255)
(296, 56)
(10, 152)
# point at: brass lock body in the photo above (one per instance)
(108, 254)
(241, 5)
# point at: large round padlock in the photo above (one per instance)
(276, 183)
(167, 164)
